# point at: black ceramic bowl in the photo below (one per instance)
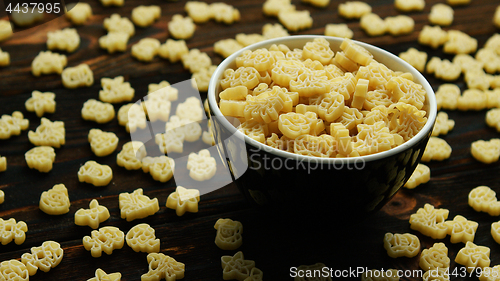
(348, 187)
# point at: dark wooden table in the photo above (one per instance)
(274, 247)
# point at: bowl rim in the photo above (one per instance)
(417, 76)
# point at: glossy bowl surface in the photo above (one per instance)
(352, 187)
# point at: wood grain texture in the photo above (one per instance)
(275, 243)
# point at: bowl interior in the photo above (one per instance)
(390, 60)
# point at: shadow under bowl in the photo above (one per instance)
(343, 189)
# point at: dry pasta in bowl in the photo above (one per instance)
(315, 101)
(327, 123)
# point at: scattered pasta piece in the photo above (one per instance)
(195, 60)
(338, 30)
(114, 41)
(173, 50)
(432, 36)
(78, 76)
(228, 235)
(48, 134)
(416, 58)
(44, 257)
(399, 25)
(14, 269)
(171, 141)
(421, 175)
(478, 79)
(2, 194)
(40, 158)
(373, 25)
(189, 129)
(66, 39)
(486, 151)
(20, 18)
(435, 257)
(496, 17)
(443, 69)
(409, 5)
(236, 267)
(102, 143)
(430, 221)
(41, 103)
(4, 58)
(156, 107)
(493, 118)
(495, 231)
(116, 23)
(483, 199)
(97, 111)
(55, 201)
(162, 266)
(12, 230)
(161, 168)
(490, 59)
(443, 125)
(248, 39)
(255, 275)
(472, 256)
(48, 63)
(190, 110)
(447, 96)
(201, 166)
(5, 30)
(401, 245)
(131, 155)
(12, 125)
(115, 90)
(141, 238)
(100, 275)
(181, 27)
(468, 63)
(461, 230)
(273, 7)
(208, 138)
(294, 20)
(441, 14)
(222, 12)
(135, 205)
(79, 13)
(183, 200)
(162, 91)
(227, 47)
(354, 9)
(107, 3)
(458, 2)
(92, 216)
(132, 116)
(106, 239)
(437, 149)
(317, 3)
(276, 30)
(199, 11)
(472, 99)
(201, 79)
(146, 49)
(459, 43)
(95, 173)
(144, 16)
